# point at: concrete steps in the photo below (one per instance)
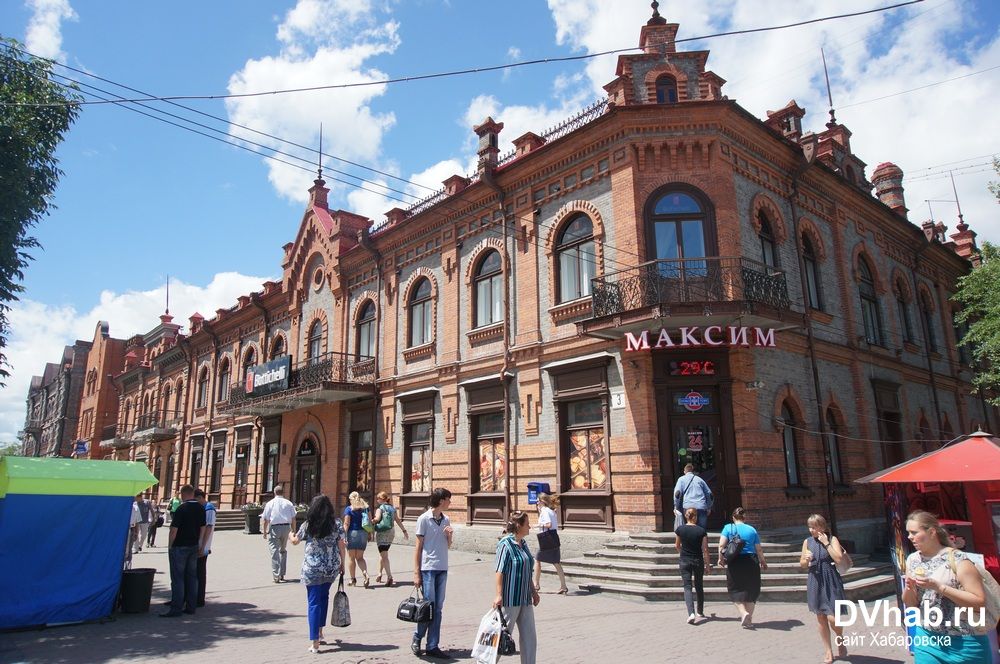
(229, 520)
(645, 566)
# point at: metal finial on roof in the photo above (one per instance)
(829, 95)
(656, 19)
(167, 312)
(319, 160)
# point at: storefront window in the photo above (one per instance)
(271, 467)
(418, 442)
(362, 461)
(587, 453)
(492, 457)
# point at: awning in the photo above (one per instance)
(975, 458)
(72, 477)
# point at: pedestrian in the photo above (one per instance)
(133, 533)
(430, 569)
(278, 517)
(186, 531)
(692, 491)
(691, 542)
(145, 510)
(940, 578)
(357, 537)
(821, 552)
(548, 522)
(743, 573)
(155, 521)
(515, 592)
(386, 518)
(323, 562)
(175, 502)
(205, 544)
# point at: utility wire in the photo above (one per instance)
(922, 87)
(479, 70)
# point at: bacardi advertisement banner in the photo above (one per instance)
(269, 377)
(696, 336)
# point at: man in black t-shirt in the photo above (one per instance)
(185, 533)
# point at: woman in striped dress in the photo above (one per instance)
(515, 592)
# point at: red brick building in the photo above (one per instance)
(663, 278)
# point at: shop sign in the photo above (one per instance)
(269, 377)
(690, 337)
(695, 442)
(694, 401)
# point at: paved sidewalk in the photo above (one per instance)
(249, 619)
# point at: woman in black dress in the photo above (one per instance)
(743, 572)
(821, 552)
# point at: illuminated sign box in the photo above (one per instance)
(697, 337)
(269, 377)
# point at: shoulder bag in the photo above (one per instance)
(340, 614)
(845, 564)
(734, 546)
(991, 609)
(415, 608)
(506, 645)
(548, 540)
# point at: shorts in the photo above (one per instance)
(383, 547)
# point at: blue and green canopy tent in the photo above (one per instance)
(63, 530)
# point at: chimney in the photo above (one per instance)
(658, 35)
(489, 150)
(455, 184)
(787, 120)
(888, 181)
(318, 194)
(527, 142)
(965, 241)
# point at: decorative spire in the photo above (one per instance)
(829, 95)
(319, 160)
(167, 312)
(657, 19)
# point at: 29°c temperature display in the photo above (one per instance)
(692, 368)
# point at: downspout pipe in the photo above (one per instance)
(923, 328)
(811, 345)
(364, 239)
(489, 180)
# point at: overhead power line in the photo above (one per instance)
(922, 87)
(489, 68)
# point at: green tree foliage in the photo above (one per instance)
(979, 295)
(29, 169)
(995, 186)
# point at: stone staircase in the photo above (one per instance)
(645, 566)
(229, 520)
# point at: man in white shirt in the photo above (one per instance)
(430, 565)
(278, 517)
(133, 532)
(204, 543)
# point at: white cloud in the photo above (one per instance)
(869, 56)
(39, 331)
(322, 42)
(43, 36)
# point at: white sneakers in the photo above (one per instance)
(691, 619)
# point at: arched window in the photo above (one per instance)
(179, 398)
(366, 331)
(790, 442)
(927, 313)
(666, 90)
(903, 310)
(249, 361)
(833, 442)
(202, 393)
(315, 341)
(489, 289)
(577, 262)
(768, 252)
(225, 374)
(812, 273)
(678, 225)
(870, 314)
(165, 403)
(278, 349)
(420, 314)
(127, 419)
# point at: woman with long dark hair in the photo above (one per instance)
(743, 572)
(323, 562)
(691, 542)
(515, 592)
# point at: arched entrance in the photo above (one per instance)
(306, 484)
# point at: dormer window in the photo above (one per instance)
(666, 90)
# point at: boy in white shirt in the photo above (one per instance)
(430, 564)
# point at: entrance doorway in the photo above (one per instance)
(306, 484)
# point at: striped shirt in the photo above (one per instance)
(516, 563)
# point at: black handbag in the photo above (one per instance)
(415, 608)
(734, 546)
(506, 645)
(340, 613)
(548, 540)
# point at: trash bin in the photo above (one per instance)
(137, 588)
(535, 488)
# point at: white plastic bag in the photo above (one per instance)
(485, 648)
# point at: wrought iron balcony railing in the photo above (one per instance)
(689, 281)
(339, 368)
(157, 419)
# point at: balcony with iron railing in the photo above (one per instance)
(156, 425)
(115, 437)
(326, 378)
(688, 291)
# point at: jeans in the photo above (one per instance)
(318, 600)
(693, 571)
(183, 577)
(523, 617)
(277, 542)
(434, 586)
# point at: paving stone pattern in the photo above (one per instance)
(250, 619)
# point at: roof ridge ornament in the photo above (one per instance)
(656, 19)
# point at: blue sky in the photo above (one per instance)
(141, 199)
